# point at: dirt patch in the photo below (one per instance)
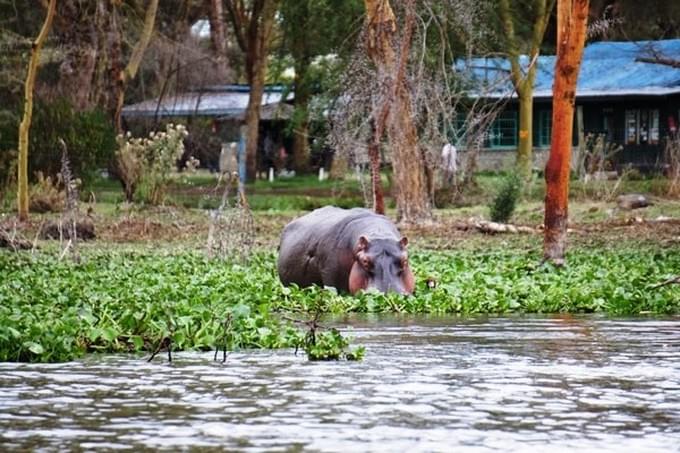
(189, 227)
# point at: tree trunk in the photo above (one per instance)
(521, 80)
(256, 47)
(374, 156)
(130, 70)
(25, 126)
(301, 131)
(395, 106)
(75, 28)
(525, 148)
(253, 118)
(217, 35)
(108, 64)
(413, 203)
(572, 17)
(339, 167)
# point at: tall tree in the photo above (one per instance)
(130, 70)
(312, 28)
(253, 23)
(514, 19)
(394, 108)
(572, 18)
(217, 35)
(25, 126)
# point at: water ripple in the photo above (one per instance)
(426, 384)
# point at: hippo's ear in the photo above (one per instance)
(403, 242)
(362, 244)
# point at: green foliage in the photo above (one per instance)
(331, 345)
(9, 127)
(145, 164)
(503, 204)
(89, 137)
(54, 310)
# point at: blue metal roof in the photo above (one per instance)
(608, 69)
(222, 101)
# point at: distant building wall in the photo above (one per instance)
(504, 160)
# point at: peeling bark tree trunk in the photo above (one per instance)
(572, 17)
(374, 156)
(25, 126)
(394, 110)
(130, 70)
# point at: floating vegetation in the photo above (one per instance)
(52, 310)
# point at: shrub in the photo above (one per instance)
(89, 137)
(9, 124)
(45, 195)
(144, 164)
(503, 204)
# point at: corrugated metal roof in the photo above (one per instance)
(224, 101)
(607, 69)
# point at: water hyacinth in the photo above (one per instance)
(121, 301)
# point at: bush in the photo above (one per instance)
(45, 195)
(144, 164)
(9, 128)
(503, 204)
(89, 137)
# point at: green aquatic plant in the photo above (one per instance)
(332, 345)
(123, 301)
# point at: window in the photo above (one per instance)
(503, 131)
(642, 126)
(544, 127)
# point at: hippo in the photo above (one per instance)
(348, 249)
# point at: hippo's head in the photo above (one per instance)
(381, 264)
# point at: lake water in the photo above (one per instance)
(426, 384)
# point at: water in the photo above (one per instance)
(509, 384)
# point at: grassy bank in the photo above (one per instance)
(54, 310)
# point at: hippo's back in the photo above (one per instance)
(317, 248)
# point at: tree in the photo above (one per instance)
(130, 70)
(217, 35)
(312, 28)
(253, 23)
(572, 18)
(25, 126)
(394, 110)
(538, 13)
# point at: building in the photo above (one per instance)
(226, 106)
(633, 102)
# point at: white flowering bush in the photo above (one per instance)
(145, 164)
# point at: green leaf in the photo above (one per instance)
(109, 334)
(35, 348)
